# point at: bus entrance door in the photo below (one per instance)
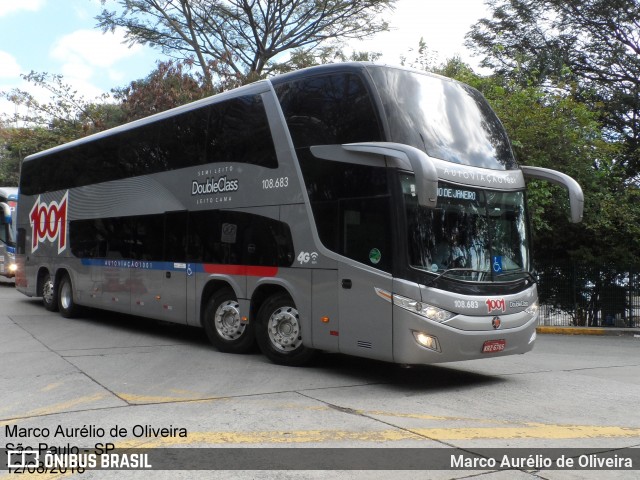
(366, 326)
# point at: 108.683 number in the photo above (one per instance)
(269, 183)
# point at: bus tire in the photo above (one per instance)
(48, 293)
(278, 332)
(224, 326)
(66, 304)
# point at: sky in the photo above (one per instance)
(60, 37)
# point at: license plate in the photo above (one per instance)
(492, 346)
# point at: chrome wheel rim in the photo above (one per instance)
(47, 291)
(66, 296)
(228, 322)
(284, 329)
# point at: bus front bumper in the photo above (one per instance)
(417, 340)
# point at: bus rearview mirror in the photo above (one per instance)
(576, 197)
(5, 214)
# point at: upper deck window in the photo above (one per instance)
(328, 109)
(445, 119)
(234, 130)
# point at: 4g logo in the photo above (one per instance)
(306, 257)
(496, 304)
(49, 222)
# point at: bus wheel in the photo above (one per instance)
(224, 326)
(67, 306)
(279, 333)
(48, 294)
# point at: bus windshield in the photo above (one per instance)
(445, 119)
(6, 232)
(473, 234)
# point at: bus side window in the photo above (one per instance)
(203, 244)
(239, 131)
(175, 237)
(147, 241)
(351, 206)
(229, 237)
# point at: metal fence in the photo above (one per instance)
(589, 295)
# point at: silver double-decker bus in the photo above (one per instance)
(356, 208)
(8, 204)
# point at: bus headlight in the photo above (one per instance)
(13, 268)
(532, 309)
(424, 309)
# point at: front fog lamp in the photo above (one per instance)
(426, 341)
(424, 309)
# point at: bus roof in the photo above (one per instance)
(347, 67)
(260, 86)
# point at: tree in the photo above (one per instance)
(17, 143)
(243, 39)
(168, 86)
(423, 57)
(592, 46)
(554, 129)
(38, 125)
(67, 113)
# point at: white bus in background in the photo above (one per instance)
(8, 204)
(356, 208)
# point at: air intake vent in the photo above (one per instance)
(362, 344)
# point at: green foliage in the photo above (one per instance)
(168, 86)
(37, 125)
(555, 129)
(588, 48)
(66, 112)
(580, 58)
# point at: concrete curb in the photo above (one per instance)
(544, 329)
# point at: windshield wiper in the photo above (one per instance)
(526, 274)
(450, 270)
(471, 270)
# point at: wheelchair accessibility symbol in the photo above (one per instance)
(496, 264)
